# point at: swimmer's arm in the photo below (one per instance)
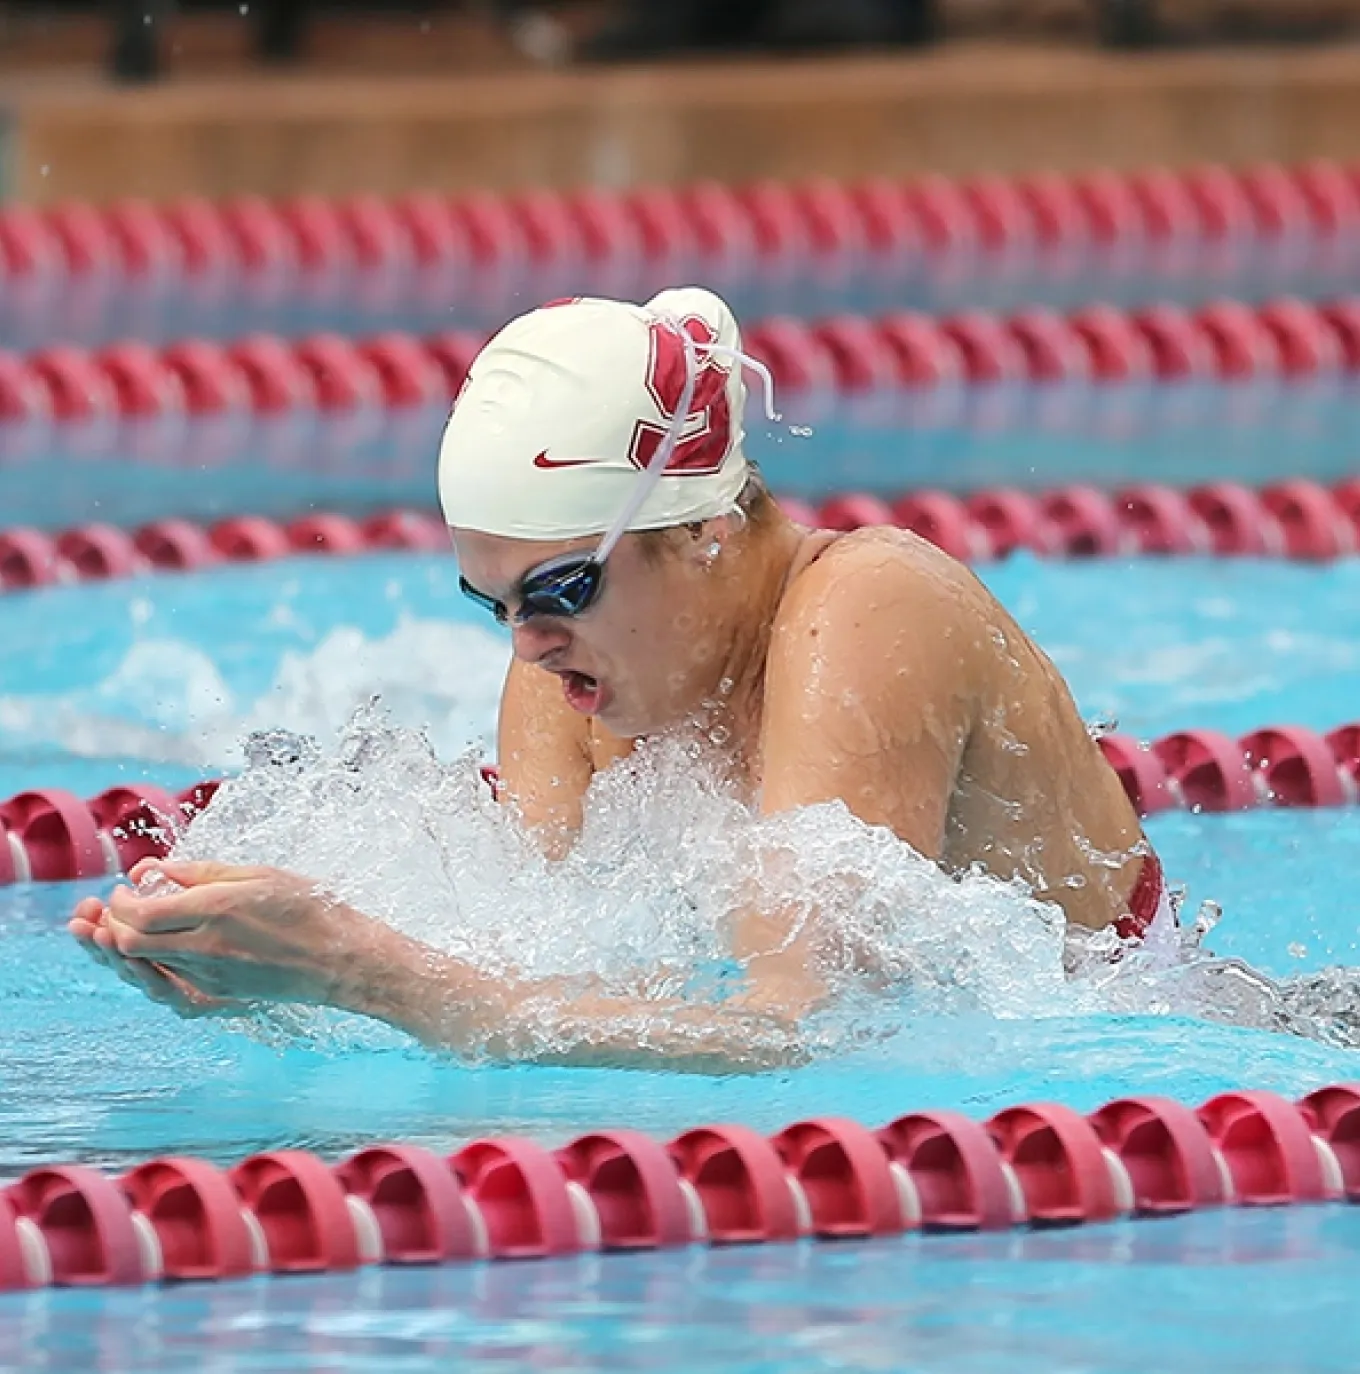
(447, 1005)
(864, 705)
(543, 755)
(869, 698)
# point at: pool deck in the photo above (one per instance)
(485, 118)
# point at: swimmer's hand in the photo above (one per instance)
(213, 937)
(150, 979)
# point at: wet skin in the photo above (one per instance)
(883, 674)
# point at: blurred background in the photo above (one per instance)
(149, 97)
(249, 249)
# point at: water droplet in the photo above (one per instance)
(801, 431)
(1101, 725)
(1298, 950)
(725, 687)
(280, 749)
(720, 734)
(1209, 915)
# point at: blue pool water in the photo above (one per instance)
(1251, 1293)
(156, 678)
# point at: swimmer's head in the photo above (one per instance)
(567, 406)
(589, 434)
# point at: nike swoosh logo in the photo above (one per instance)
(543, 461)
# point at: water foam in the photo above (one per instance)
(643, 906)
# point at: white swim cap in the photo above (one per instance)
(567, 408)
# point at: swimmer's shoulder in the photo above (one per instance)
(882, 615)
(876, 571)
(878, 632)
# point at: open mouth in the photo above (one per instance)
(583, 692)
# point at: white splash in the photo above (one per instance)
(645, 902)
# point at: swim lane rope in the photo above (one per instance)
(1033, 1165)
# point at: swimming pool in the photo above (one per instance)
(154, 679)
(157, 678)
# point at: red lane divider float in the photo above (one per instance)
(96, 553)
(1203, 770)
(1035, 1165)
(265, 395)
(387, 248)
(48, 835)
(1294, 519)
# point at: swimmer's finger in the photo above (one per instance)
(89, 909)
(193, 1001)
(97, 942)
(141, 868)
(198, 873)
(132, 942)
(177, 912)
(151, 975)
(158, 985)
(140, 975)
(172, 989)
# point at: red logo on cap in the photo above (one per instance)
(706, 432)
(546, 463)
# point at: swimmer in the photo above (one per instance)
(594, 480)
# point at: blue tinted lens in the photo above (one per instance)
(565, 586)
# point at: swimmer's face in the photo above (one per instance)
(638, 658)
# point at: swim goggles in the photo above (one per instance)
(570, 584)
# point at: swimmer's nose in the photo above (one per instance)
(538, 638)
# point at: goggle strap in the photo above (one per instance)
(756, 366)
